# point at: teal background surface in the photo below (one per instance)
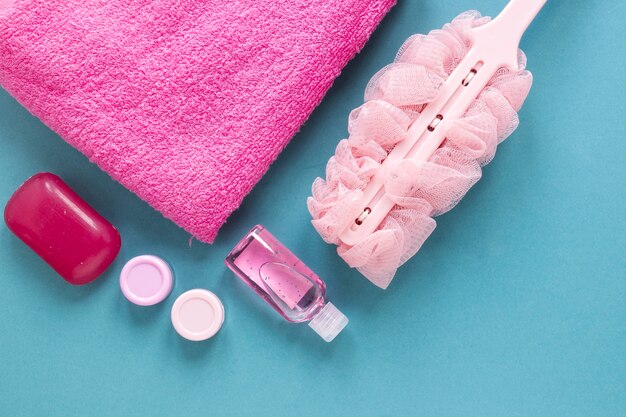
(516, 305)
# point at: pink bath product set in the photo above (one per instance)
(80, 244)
(193, 145)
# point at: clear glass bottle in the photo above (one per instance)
(285, 282)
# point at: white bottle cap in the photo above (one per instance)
(197, 315)
(329, 322)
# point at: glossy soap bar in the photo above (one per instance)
(67, 233)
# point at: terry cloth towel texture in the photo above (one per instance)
(188, 102)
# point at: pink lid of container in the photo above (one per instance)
(197, 315)
(146, 280)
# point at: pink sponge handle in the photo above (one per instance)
(499, 40)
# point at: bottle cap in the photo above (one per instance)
(329, 322)
(146, 280)
(197, 315)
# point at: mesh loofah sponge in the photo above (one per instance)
(419, 189)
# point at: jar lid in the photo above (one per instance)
(197, 315)
(146, 280)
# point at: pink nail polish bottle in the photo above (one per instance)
(285, 283)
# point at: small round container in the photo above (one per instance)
(197, 315)
(146, 280)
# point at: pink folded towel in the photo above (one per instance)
(186, 103)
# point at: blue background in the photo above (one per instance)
(516, 305)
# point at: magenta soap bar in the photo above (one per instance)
(76, 241)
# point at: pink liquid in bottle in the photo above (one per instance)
(284, 282)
